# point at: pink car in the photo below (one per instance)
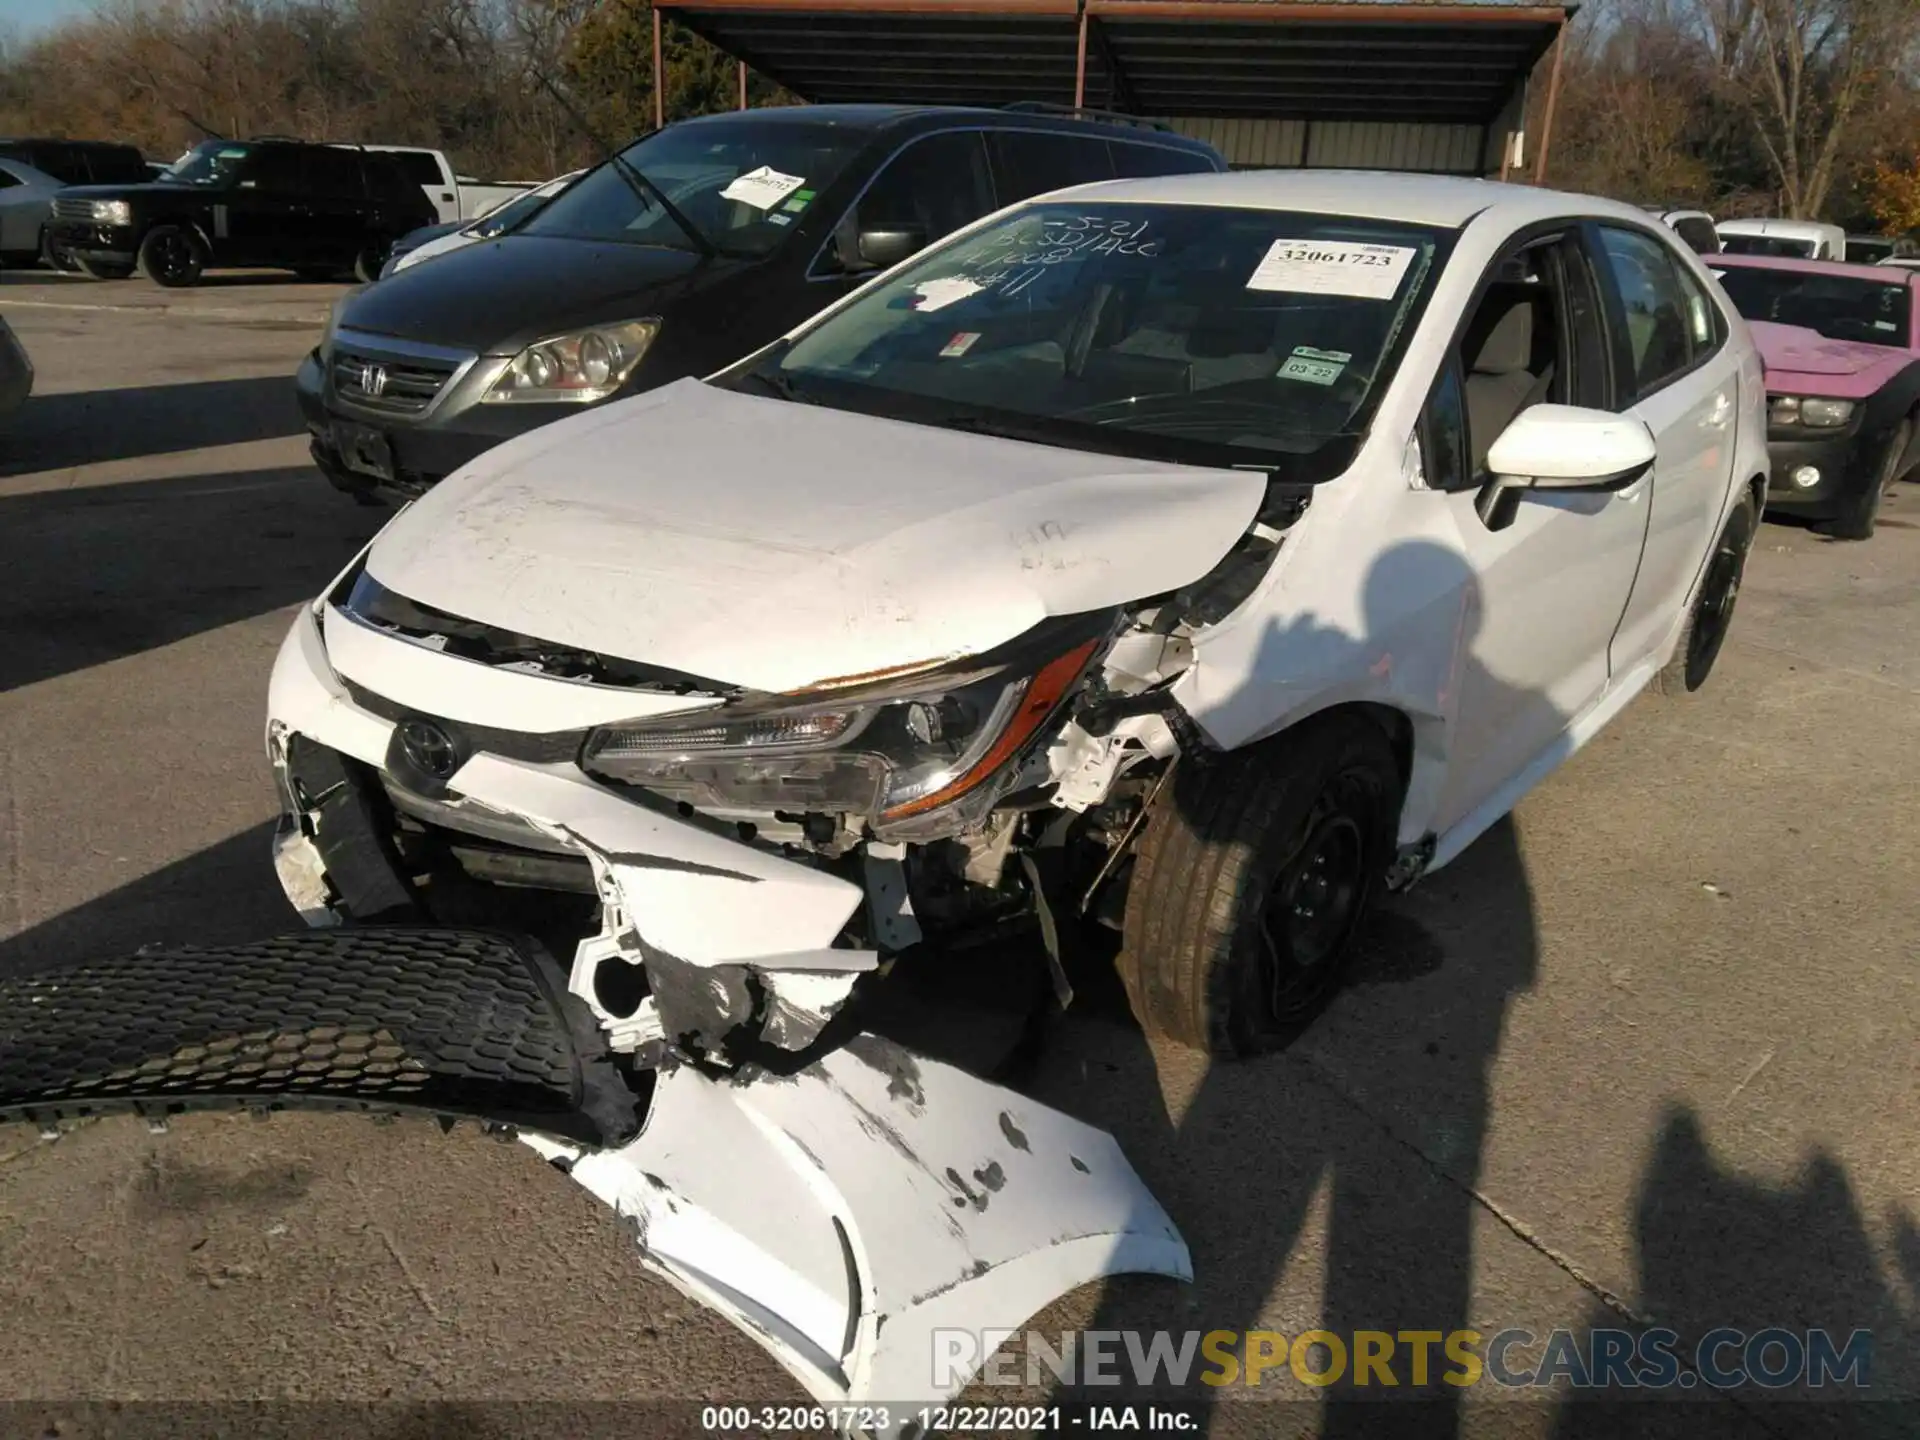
(1841, 346)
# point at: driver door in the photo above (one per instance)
(1554, 578)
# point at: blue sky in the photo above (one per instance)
(27, 18)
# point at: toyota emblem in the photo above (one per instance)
(373, 380)
(430, 748)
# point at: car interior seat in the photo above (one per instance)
(1508, 357)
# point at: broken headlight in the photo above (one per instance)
(887, 749)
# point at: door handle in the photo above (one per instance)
(1721, 413)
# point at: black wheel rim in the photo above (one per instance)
(174, 256)
(1713, 612)
(1314, 905)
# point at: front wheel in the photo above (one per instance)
(1707, 623)
(371, 260)
(1251, 882)
(1857, 518)
(173, 255)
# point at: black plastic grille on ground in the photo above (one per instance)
(383, 1019)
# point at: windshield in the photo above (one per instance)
(509, 213)
(1778, 245)
(1840, 307)
(213, 162)
(741, 183)
(1195, 333)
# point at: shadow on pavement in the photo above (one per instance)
(100, 572)
(222, 895)
(1723, 1252)
(88, 427)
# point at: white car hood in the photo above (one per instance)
(772, 544)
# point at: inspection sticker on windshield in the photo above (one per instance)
(959, 344)
(1332, 267)
(1316, 367)
(763, 188)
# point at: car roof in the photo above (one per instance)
(1792, 229)
(1856, 269)
(1440, 200)
(878, 119)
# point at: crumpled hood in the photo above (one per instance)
(771, 544)
(1848, 368)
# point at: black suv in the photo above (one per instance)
(700, 243)
(320, 210)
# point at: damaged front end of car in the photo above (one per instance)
(677, 900)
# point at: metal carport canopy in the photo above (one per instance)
(1382, 60)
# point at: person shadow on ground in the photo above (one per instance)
(1723, 1252)
(1381, 1107)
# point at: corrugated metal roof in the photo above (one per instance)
(1436, 61)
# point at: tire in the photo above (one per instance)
(173, 256)
(1705, 630)
(370, 261)
(1856, 520)
(100, 270)
(1312, 813)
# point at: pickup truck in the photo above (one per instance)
(454, 196)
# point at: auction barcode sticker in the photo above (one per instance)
(1332, 267)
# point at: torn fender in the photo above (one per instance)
(842, 1215)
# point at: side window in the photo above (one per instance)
(1699, 234)
(420, 168)
(1705, 326)
(932, 188)
(61, 162)
(1522, 344)
(1132, 162)
(1028, 163)
(274, 170)
(1659, 330)
(333, 173)
(1443, 434)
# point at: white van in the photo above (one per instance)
(1799, 239)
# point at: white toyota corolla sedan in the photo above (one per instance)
(1196, 556)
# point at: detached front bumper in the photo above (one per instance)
(839, 1209)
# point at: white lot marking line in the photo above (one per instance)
(227, 312)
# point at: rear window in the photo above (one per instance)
(1778, 245)
(1840, 307)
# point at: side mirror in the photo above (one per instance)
(884, 247)
(1563, 447)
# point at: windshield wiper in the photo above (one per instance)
(643, 188)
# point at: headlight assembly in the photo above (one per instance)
(112, 212)
(582, 366)
(1815, 414)
(885, 751)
